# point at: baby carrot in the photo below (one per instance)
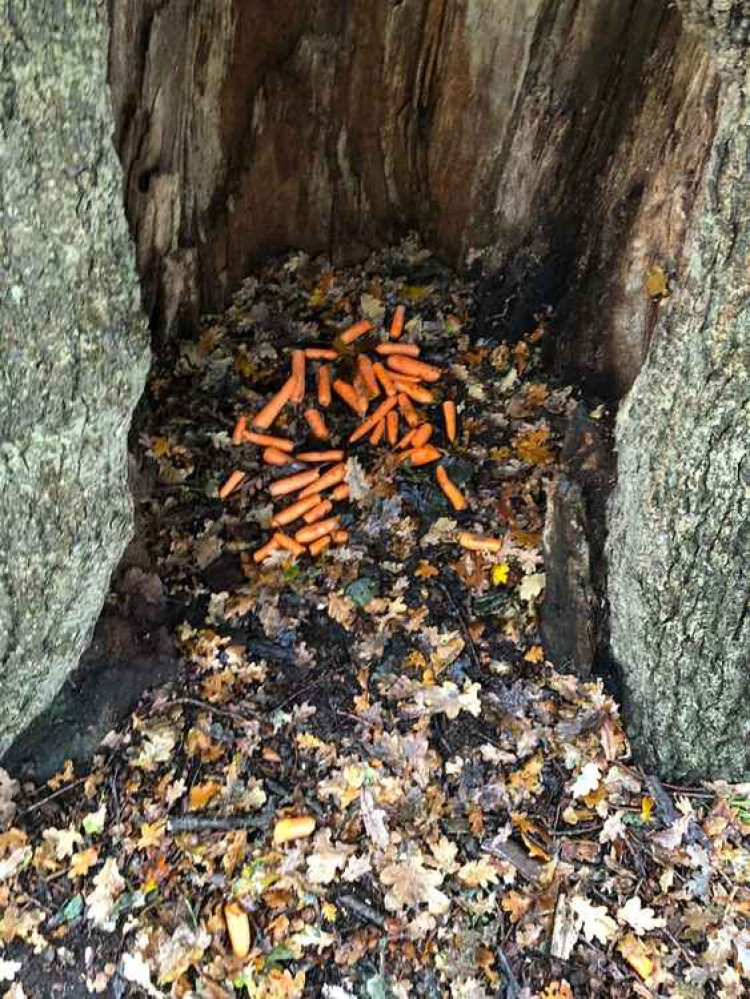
(298, 373)
(289, 544)
(406, 349)
(397, 323)
(422, 455)
(455, 496)
(359, 386)
(377, 435)
(449, 417)
(350, 396)
(340, 537)
(475, 543)
(356, 331)
(318, 512)
(290, 484)
(384, 378)
(239, 430)
(364, 365)
(265, 550)
(265, 440)
(391, 422)
(266, 416)
(408, 366)
(293, 512)
(406, 440)
(341, 492)
(317, 456)
(320, 354)
(331, 478)
(272, 456)
(320, 545)
(307, 534)
(383, 409)
(317, 424)
(416, 392)
(410, 414)
(324, 385)
(422, 435)
(231, 484)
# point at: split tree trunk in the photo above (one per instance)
(73, 347)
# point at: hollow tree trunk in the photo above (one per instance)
(678, 542)
(73, 347)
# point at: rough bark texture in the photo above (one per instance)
(678, 545)
(74, 350)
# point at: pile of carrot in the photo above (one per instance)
(394, 381)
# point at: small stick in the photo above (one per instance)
(231, 484)
(219, 823)
(363, 910)
(397, 323)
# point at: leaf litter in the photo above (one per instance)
(368, 780)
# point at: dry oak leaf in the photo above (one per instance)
(587, 781)
(341, 609)
(639, 917)
(327, 858)
(516, 905)
(413, 885)
(64, 841)
(100, 903)
(478, 873)
(82, 862)
(201, 794)
(444, 852)
(593, 920)
(636, 954)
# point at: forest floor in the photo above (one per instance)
(367, 769)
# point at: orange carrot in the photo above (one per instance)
(476, 543)
(410, 414)
(341, 492)
(449, 417)
(324, 386)
(231, 484)
(340, 537)
(350, 396)
(292, 483)
(422, 455)
(320, 545)
(298, 373)
(318, 512)
(266, 416)
(293, 512)
(320, 354)
(331, 478)
(397, 323)
(317, 424)
(359, 386)
(422, 435)
(408, 366)
(319, 456)
(364, 365)
(356, 331)
(307, 534)
(377, 435)
(284, 541)
(391, 422)
(265, 550)
(416, 392)
(383, 409)
(384, 378)
(406, 440)
(272, 456)
(265, 440)
(239, 430)
(451, 490)
(405, 349)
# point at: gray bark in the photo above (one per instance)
(678, 541)
(73, 347)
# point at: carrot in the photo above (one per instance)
(331, 478)
(340, 537)
(305, 535)
(292, 483)
(239, 430)
(347, 392)
(293, 512)
(359, 386)
(422, 455)
(408, 366)
(289, 544)
(384, 378)
(317, 424)
(406, 349)
(383, 409)
(377, 435)
(231, 484)
(451, 490)
(298, 373)
(422, 435)
(266, 416)
(295, 827)
(318, 512)
(476, 543)
(341, 492)
(320, 545)
(262, 553)
(416, 392)
(318, 456)
(265, 440)
(449, 417)
(320, 354)
(391, 422)
(410, 414)
(356, 331)
(406, 439)
(272, 456)
(324, 386)
(397, 323)
(238, 929)
(364, 365)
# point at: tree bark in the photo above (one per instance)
(74, 347)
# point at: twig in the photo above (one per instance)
(218, 823)
(363, 910)
(512, 988)
(206, 706)
(51, 797)
(464, 626)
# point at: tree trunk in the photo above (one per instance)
(74, 347)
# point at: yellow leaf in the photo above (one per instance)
(83, 861)
(634, 952)
(500, 573)
(647, 806)
(535, 654)
(657, 285)
(151, 834)
(201, 794)
(415, 293)
(298, 827)
(532, 447)
(424, 570)
(329, 912)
